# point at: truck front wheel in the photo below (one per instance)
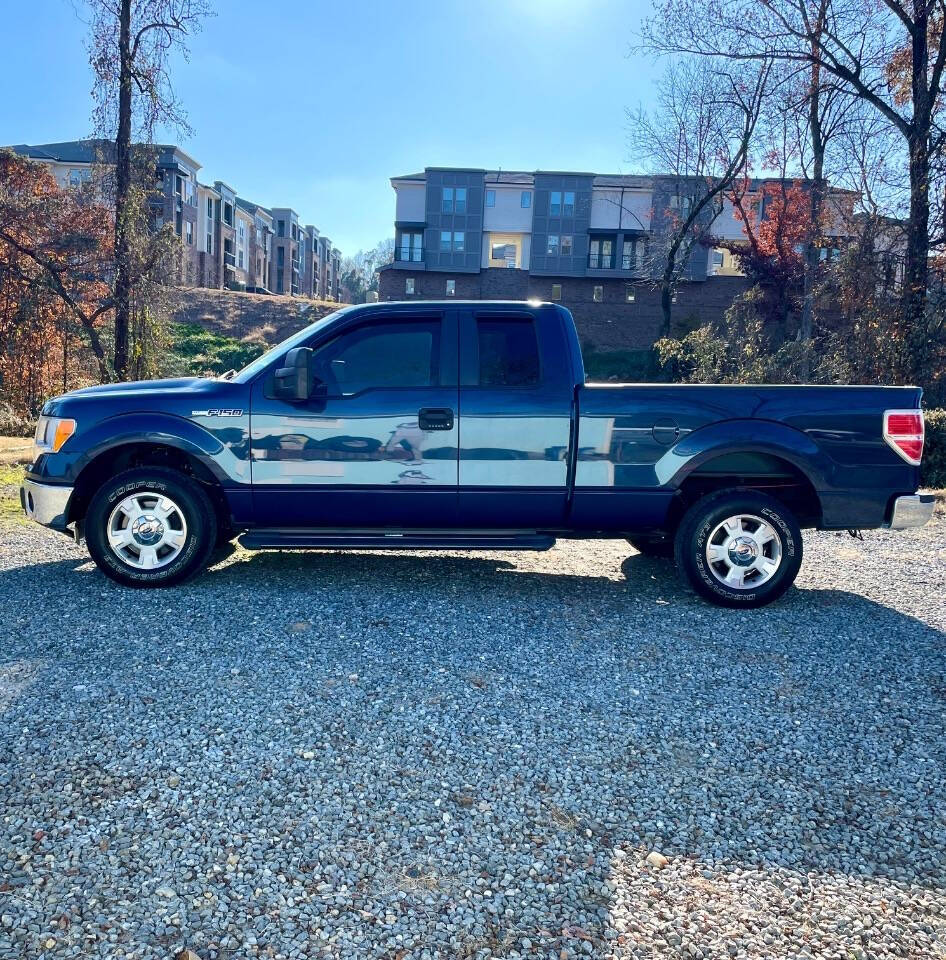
(150, 527)
(738, 548)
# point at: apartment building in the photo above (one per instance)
(590, 241)
(310, 263)
(260, 248)
(335, 280)
(226, 240)
(286, 269)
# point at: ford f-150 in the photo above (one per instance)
(463, 425)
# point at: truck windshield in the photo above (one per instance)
(260, 363)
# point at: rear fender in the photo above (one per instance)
(745, 436)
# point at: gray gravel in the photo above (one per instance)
(460, 755)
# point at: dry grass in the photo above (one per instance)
(15, 450)
(248, 316)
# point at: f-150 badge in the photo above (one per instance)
(218, 412)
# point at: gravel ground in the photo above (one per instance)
(459, 755)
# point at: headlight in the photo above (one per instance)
(51, 434)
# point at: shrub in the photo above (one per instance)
(630, 366)
(15, 423)
(933, 471)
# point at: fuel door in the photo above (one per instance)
(666, 432)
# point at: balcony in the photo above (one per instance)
(230, 260)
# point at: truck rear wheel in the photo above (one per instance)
(738, 548)
(150, 527)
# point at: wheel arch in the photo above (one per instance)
(752, 455)
(127, 455)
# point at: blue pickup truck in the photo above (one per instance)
(469, 425)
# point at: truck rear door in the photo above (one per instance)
(515, 418)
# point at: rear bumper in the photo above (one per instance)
(45, 503)
(912, 511)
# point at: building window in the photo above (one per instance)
(210, 243)
(525, 199)
(490, 198)
(601, 253)
(718, 259)
(552, 248)
(445, 240)
(228, 214)
(458, 242)
(459, 204)
(75, 178)
(409, 286)
(280, 228)
(556, 291)
(411, 247)
(189, 231)
(630, 294)
(597, 294)
(503, 253)
(451, 287)
(210, 207)
(565, 246)
(562, 204)
(446, 200)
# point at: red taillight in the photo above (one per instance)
(903, 430)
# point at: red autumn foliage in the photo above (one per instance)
(55, 249)
(776, 221)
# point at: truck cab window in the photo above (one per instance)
(380, 356)
(509, 353)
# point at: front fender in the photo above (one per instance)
(224, 451)
(746, 436)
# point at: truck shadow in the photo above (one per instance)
(583, 719)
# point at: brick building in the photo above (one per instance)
(590, 241)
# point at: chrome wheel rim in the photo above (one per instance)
(147, 530)
(744, 551)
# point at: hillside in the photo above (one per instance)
(248, 316)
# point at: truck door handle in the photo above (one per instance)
(435, 418)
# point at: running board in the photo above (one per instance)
(307, 539)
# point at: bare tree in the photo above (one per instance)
(130, 46)
(854, 42)
(700, 132)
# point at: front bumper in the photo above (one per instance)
(45, 503)
(913, 511)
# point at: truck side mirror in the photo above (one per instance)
(293, 381)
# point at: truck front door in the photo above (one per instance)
(376, 445)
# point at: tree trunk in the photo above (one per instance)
(816, 197)
(916, 267)
(123, 212)
(666, 289)
(916, 270)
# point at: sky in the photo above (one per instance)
(316, 105)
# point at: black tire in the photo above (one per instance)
(658, 547)
(193, 503)
(700, 522)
